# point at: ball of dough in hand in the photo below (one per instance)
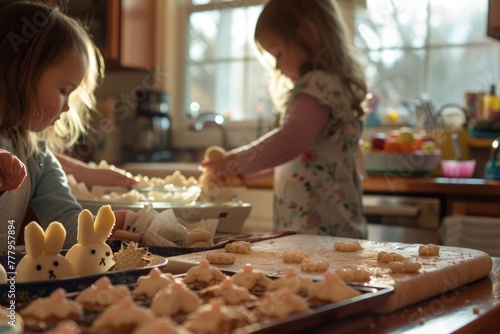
(214, 153)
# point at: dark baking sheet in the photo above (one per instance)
(27, 291)
(371, 297)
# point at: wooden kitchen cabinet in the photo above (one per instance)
(473, 197)
(122, 29)
(473, 206)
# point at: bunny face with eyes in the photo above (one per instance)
(43, 260)
(91, 255)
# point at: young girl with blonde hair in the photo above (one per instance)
(319, 86)
(47, 60)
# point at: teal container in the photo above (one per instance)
(492, 171)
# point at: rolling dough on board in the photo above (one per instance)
(453, 267)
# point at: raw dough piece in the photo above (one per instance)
(314, 265)
(332, 289)
(389, 257)
(294, 256)
(175, 299)
(204, 273)
(292, 281)
(242, 247)
(281, 303)
(195, 235)
(404, 267)
(428, 250)
(122, 317)
(149, 285)
(101, 294)
(221, 258)
(52, 309)
(250, 278)
(351, 246)
(353, 274)
(215, 317)
(230, 292)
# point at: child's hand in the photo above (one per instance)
(12, 171)
(225, 172)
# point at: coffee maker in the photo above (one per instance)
(150, 134)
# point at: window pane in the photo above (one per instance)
(223, 74)
(391, 23)
(226, 33)
(396, 77)
(456, 70)
(458, 21)
(233, 89)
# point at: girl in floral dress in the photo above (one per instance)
(318, 87)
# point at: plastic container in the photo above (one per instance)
(492, 171)
(458, 168)
(404, 164)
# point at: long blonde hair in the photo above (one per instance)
(34, 37)
(329, 46)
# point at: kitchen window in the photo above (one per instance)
(438, 47)
(408, 47)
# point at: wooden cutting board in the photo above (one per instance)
(453, 267)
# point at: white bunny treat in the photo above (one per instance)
(91, 255)
(43, 260)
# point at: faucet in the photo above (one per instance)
(210, 119)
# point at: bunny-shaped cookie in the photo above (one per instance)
(91, 255)
(42, 260)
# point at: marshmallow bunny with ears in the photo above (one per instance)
(91, 255)
(43, 260)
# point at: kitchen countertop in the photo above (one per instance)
(473, 308)
(388, 183)
(429, 185)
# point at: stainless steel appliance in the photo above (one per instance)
(403, 218)
(148, 136)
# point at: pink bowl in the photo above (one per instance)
(458, 168)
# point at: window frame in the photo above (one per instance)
(171, 41)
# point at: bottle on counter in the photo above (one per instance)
(491, 104)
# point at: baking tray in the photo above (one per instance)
(26, 291)
(371, 297)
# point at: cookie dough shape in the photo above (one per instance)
(314, 265)
(221, 258)
(428, 250)
(386, 257)
(293, 256)
(404, 267)
(241, 247)
(350, 246)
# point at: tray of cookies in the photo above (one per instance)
(25, 291)
(206, 300)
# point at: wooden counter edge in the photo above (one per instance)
(413, 185)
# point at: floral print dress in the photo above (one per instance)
(319, 192)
